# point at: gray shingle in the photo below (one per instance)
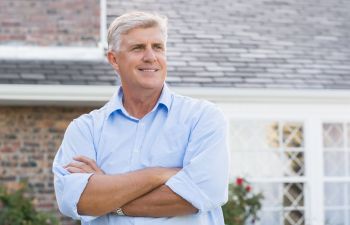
(8, 76)
(197, 79)
(32, 76)
(209, 74)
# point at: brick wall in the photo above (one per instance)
(50, 22)
(29, 139)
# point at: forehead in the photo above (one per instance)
(143, 36)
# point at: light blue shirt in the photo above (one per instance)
(179, 132)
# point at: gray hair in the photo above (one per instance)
(128, 21)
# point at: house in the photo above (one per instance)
(279, 69)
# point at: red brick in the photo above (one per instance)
(41, 18)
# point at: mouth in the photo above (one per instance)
(148, 69)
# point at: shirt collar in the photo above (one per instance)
(116, 103)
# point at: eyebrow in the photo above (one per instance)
(143, 45)
(137, 45)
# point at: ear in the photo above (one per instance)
(113, 60)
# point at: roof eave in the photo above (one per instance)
(82, 95)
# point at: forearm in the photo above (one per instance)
(161, 202)
(104, 193)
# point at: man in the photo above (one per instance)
(148, 156)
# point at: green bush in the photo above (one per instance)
(17, 209)
(242, 205)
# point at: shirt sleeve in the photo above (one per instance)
(203, 181)
(77, 140)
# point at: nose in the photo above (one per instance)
(149, 56)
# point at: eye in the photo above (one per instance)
(137, 48)
(159, 47)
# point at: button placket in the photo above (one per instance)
(140, 133)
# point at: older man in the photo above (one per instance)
(148, 156)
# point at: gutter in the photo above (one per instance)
(82, 95)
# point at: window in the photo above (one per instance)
(297, 152)
(271, 155)
(336, 150)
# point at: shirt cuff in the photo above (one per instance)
(70, 197)
(183, 185)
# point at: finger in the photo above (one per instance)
(82, 166)
(87, 161)
(74, 170)
(76, 164)
(90, 162)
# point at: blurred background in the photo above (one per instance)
(279, 69)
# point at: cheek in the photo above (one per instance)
(162, 61)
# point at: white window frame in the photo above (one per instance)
(312, 116)
(343, 120)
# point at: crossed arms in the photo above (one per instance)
(140, 193)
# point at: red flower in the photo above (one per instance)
(248, 188)
(239, 181)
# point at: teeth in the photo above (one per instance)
(148, 70)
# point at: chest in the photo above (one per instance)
(129, 147)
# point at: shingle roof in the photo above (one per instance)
(57, 72)
(225, 43)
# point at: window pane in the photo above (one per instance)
(334, 217)
(257, 164)
(334, 194)
(348, 163)
(270, 218)
(254, 135)
(293, 195)
(334, 163)
(272, 193)
(349, 198)
(294, 217)
(293, 163)
(333, 135)
(267, 164)
(348, 135)
(293, 135)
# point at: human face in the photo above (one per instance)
(141, 60)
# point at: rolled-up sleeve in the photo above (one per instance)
(69, 187)
(203, 181)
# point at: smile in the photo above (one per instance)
(148, 70)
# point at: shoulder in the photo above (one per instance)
(196, 109)
(91, 119)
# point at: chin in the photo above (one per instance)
(153, 85)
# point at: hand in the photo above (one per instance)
(83, 165)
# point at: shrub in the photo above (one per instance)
(242, 205)
(17, 209)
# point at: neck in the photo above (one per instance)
(138, 105)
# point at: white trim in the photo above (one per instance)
(344, 179)
(51, 53)
(268, 95)
(286, 179)
(103, 25)
(314, 172)
(54, 94)
(15, 94)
